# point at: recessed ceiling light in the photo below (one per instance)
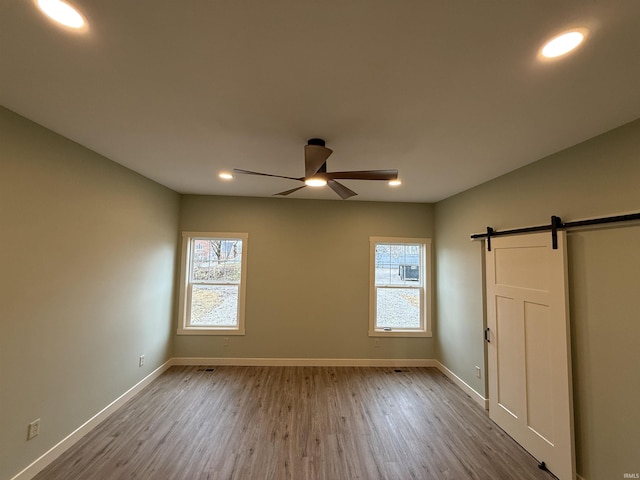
(62, 12)
(315, 182)
(563, 43)
(395, 183)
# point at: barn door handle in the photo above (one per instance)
(487, 335)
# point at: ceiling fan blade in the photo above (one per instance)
(363, 175)
(287, 192)
(314, 157)
(249, 172)
(341, 190)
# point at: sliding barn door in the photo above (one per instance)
(529, 347)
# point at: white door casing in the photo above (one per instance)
(530, 389)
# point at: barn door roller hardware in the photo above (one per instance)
(489, 234)
(555, 225)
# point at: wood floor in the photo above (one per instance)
(333, 423)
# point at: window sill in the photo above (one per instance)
(400, 333)
(209, 331)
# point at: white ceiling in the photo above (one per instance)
(451, 93)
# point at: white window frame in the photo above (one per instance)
(184, 327)
(425, 288)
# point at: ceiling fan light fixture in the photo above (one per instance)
(62, 13)
(315, 182)
(395, 183)
(225, 176)
(564, 43)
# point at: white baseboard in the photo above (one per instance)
(66, 443)
(307, 362)
(475, 396)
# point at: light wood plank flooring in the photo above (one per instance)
(333, 423)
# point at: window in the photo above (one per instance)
(212, 287)
(400, 287)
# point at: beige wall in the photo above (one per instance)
(308, 275)
(87, 255)
(596, 178)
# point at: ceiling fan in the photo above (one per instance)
(316, 175)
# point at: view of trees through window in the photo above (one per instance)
(215, 279)
(398, 284)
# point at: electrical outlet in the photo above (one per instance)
(376, 343)
(225, 341)
(141, 361)
(34, 429)
(478, 371)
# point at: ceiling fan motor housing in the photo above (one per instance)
(316, 141)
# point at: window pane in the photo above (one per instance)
(398, 308)
(216, 260)
(397, 264)
(214, 305)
